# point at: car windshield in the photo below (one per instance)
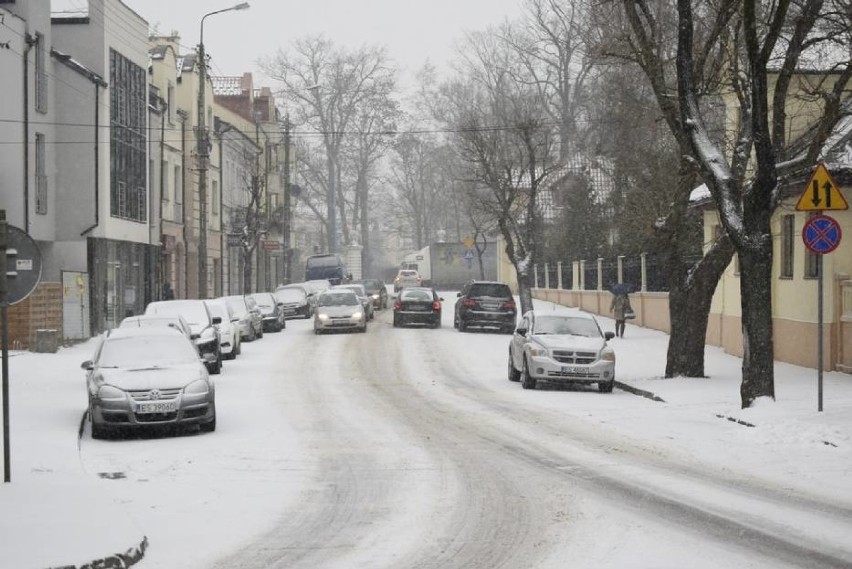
(372, 285)
(238, 306)
(566, 325)
(146, 351)
(416, 295)
(338, 299)
(147, 322)
(490, 289)
(217, 309)
(408, 273)
(357, 289)
(193, 311)
(264, 300)
(290, 295)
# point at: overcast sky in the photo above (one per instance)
(413, 30)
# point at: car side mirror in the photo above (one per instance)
(217, 320)
(194, 336)
(609, 335)
(522, 331)
(87, 365)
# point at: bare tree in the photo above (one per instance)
(741, 45)
(330, 89)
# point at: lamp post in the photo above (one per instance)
(202, 151)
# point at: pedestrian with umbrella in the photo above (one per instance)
(620, 306)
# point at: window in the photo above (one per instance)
(787, 246)
(40, 174)
(214, 198)
(128, 139)
(178, 187)
(164, 167)
(40, 75)
(170, 101)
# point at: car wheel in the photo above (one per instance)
(239, 347)
(527, 382)
(462, 326)
(209, 426)
(606, 386)
(98, 432)
(216, 368)
(260, 332)
(232, 355)
(514, 375)
(317, 331)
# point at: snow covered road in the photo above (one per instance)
(410, 448)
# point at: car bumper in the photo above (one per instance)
(488, 319)
(227, 344)
(417, 317)
(551, 370)
(191, 410)
(338, 324)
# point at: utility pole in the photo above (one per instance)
(287, 218)
(202, 150)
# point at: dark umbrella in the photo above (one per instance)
(621, 288)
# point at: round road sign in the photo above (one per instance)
(23, 269)
(821, 234)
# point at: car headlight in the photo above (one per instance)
(375, 297)
(608, 356)
(537, 351)
(109, 392)
(357, 315)
(322, 316)
(207, 335)
(198, 387)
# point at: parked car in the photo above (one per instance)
(270, 313)
(294, 301)
(406, 277)
(229, 327)
(201, 323)
(485, 304)
(377, 291)
(417, 305)
(148, 377)
(250, 323)
(561, 347)
(339, 309)
(157, 321)
(362, 295)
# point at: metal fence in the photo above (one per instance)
(547, 274)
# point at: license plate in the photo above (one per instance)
(572, 370)
(490, 305)
(156, 407)
(417, 308)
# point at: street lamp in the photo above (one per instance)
(202, 150)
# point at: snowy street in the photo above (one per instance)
(410, 448)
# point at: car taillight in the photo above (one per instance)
(470, 303)
(436, 305)
(397, 305)
(510, 304)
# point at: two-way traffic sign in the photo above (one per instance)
(822, 193)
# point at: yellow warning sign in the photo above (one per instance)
(822, 193)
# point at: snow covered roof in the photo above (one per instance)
(227, 86)
(68, 9)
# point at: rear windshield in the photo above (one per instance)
(193, 311)
(324, 261)
(497, 290)
(416, 294)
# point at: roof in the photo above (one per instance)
(227, 86)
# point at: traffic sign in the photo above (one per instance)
(822, 193)
(23, 265)
(821, 234)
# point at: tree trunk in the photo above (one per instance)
(756, 292)
(689, 310)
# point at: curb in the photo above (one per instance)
(116, 561)
(639, 392)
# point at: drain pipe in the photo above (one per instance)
(29, 42)
(99, 83)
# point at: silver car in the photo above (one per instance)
(245, 308)
(361, 293)
(562, 347)
(148, 377)
(339, 309)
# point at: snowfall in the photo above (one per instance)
(195, 499)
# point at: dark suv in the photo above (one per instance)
(486, 304)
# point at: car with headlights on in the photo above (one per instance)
(202, 324)
(339, 309)
(406, 277)
(362, 295)
(270, 311)
(294, 301)
(148, 377)
(561, 347)
(417, 305)
(229, 327)
(377, 291)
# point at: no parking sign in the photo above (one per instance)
(821, 234)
